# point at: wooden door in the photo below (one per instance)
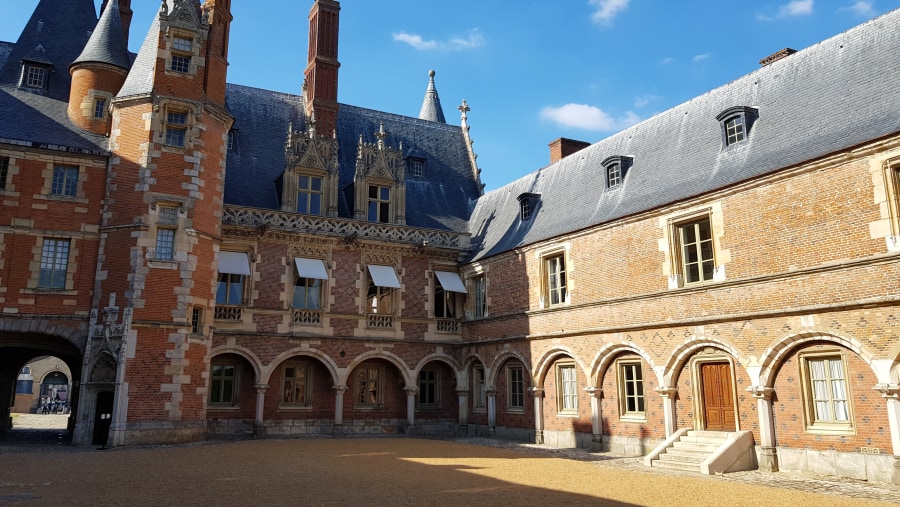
(103, 417)
(718, 397)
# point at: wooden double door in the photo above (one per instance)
(717, 396)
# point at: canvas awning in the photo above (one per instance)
(235, 263)
(450, 281)
(384, 276)
(311, 268)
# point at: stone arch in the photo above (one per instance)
(773, 357)
(102, 368)
(547, 358)
(73, 336)
(491, 374)
(605, 355)
(462, 375)
(443, 358)
(390, 357)
(683, 352)
(284, 356)
(243, 352)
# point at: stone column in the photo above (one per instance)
(339, 407)
(891, 394)
(463, 397)
(491, 409)
(768, 452)
(411, 406)
(538, 393)
(260, 407)
(668, 395)
(596, 416)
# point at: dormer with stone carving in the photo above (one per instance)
(311, 173)
(380, 184)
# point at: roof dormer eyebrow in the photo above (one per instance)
(736, 123)
(614, 170)
(528, 203)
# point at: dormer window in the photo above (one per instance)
(736, 123)
(35, 76)
(379, 204)
(416, 167)
(528, 205)
(615, 168)
(99, 108)
(182, 49)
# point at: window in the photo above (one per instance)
(54, 262)
(695, 247)
(176, 128)
(429, 389)
(65, 181)
(380, 296)
(515, 386)
(296, 388)
(230, 290)
(734, 130)
(309, 195)
(567, 388)
(736, 123)
(613, 176)
(555, 279)
(181, 55)
(379, 204)
(528, 205)
(4, 171)
(447, 285)
(165, 233)
(631, 390)
(35, 76)
(223, 379)
(827, 395)
(479, 394)
(416, 168)
(230, 140)
(307, 293)
(197, 320)
(368, 387)
(479, 285)
(99, 108)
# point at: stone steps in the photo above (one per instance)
(689, 451)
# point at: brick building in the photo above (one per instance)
(714, 288)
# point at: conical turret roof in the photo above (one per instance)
(431, 106)
(107, 43)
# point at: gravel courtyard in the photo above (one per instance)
(376, 471)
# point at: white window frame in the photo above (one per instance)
(365, 376)
(515, 388)
(295, 394)
(826, 394)
(55, 263)
(567, 388)
(479, 389)
(222, 379)
(637, 393)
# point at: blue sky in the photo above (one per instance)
(531, 70)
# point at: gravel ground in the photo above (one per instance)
(358, 471)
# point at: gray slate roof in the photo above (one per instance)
(834, 95)
(431, 106)
(440, 199)
(55, 34)
(107, 44)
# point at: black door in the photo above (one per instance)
(103, 417)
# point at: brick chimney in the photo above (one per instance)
(774, 57)
(564, 147)
(322, 65)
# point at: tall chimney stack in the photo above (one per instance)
(322, 65)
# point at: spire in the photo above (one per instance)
(107, 43)
(431, 106)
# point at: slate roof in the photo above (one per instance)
(431, 106)
(56, 34)
(107, 44)
(440, 199)
(832, 96)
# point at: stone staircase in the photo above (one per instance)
(705, 452)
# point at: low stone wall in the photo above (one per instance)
(155, 433)
(866, 467)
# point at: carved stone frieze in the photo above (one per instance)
(382, 258)
(338, 227)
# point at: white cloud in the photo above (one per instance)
(473, 40)
(861, 8)
(791, 9)
(607, 9)
(667, 60)
(702, 57)
(583, 116)
(644, 100)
